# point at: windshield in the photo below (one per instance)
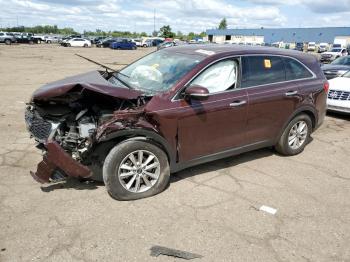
(345, 60)
(158, 71)
(336, 50)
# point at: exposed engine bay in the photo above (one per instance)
(72, 119)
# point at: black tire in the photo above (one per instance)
(115, 158)
(48, 41)
(8, 42)
(283, 146)
(31, 42)
(85, 45)
(134, 48)
(67, 45)
(144, 45)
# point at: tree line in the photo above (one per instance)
(165, 31)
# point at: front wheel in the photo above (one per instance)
(135, 169)
(8, 42)
(295, 136)
(85, 45)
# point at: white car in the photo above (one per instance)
(333, 54)
(78, 42)
(339, 94)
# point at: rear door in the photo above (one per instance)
(273, 84)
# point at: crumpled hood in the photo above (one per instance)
(92, 81)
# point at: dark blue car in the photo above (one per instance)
(123, 44)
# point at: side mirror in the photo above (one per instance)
(197, 92)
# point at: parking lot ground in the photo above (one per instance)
(211, 209)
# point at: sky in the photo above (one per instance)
(182, 15)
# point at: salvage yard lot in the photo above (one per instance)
(211, 210)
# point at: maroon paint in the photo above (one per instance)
(196, 128)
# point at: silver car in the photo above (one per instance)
(7, 38)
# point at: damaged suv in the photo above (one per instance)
(173, 109)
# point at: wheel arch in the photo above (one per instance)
(308, 110)
(140, 135)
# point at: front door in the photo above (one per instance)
(218, 123)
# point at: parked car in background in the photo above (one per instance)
(7, 38)
(138, 42)
(106, 42)
(52, 39)
(339, 94)
(172, 109)
(311, 47)
(166, 45)
(124, 44)
(330, 56)
(323, 47)
(337, 68)
(77, 42)
(299, 46)
(26, 38)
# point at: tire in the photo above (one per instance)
(8, 42)
(134, 48)
(119, 156)
(301, 139)
(67, 45)
(31, 42)
(85, 45)
(144, 45)
(48, 41)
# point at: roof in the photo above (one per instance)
(289, 35)
(221, 50)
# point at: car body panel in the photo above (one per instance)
(92, 81)
(193, 131)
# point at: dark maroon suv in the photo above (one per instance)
(172, 109)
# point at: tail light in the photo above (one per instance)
(326, 86)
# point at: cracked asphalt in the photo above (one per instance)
(211, 209)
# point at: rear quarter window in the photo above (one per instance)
(262, 70)
(295, 70)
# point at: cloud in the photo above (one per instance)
(181, 15)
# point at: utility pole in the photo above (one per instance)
(154, 20)
(17, 20)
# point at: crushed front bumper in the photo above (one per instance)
(56, 159)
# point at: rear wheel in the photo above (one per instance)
(135, 169)
(295, 136)
(8, 42)
(85, 45)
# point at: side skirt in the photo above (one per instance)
(223, 154)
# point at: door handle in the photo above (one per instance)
(238, 103)
(291, 93)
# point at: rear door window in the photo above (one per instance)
(295, 70)
(262, 70)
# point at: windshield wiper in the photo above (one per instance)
(110, 69)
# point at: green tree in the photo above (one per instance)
(165, 31)
(223, 24)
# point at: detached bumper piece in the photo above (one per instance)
(57, 164)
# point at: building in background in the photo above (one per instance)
(277, 35)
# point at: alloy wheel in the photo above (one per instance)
(297, 135)
(139, 171)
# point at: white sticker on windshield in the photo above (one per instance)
(205, 52)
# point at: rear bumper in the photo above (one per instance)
(57, 159)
